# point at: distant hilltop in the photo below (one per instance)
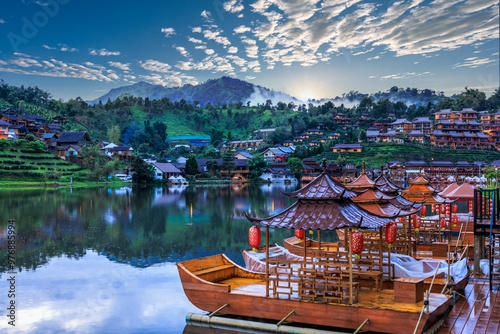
(214, 91)
(227, 90)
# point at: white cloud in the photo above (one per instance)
(405, 75)
(207, 16)
(232, 49)
(183, 51)
(404, 27)
(233, 6)
(61, 47)
(249, 77)
(474, 62)
(194, 40)
(209, 51)
(196, 29)
(155, 66)
(57, 68)
(215, 35)
(2, 21)
(240, 16)
(103, 52)
(174, 79)
(241, 29)
(121, 66)
(168, 31)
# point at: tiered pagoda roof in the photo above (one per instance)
(420, 191)
(383, 184)
(324, 204)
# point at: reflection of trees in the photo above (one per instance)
(133, 226)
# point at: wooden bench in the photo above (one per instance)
(212, 269)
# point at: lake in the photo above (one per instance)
(103, 260)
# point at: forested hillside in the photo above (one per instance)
(144, 123)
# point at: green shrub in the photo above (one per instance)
(4, 143)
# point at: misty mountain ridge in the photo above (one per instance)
(223, 90)
(226, 90)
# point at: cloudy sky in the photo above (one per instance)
(306, 48)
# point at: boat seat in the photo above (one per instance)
(375, 275)
(212, 269)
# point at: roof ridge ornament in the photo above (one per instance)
(323, 164)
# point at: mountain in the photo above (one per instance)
(223, 90)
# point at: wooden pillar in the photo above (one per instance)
(305, 247)
(381, 251)
(319, 240)
(267, 261)
(350, 266)
(479, 250)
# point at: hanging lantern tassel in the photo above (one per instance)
(357, 244)
(254, 237)
(443, 224)
(311, 232)
(416, 224)
(390, 234)
(299, 234)
(455, 221)
(423, 210)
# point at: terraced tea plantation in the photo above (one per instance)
(25, 164)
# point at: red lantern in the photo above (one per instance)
(254, 237)
(443, 208)
(390, 233)
(357, 243)
(455, 208)
(400, 219)
(416, 224)
(423, 210)
(299, 234)
(433, 207)
(443, 223)
(455, 220)
(437, 210)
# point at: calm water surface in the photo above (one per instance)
(103, 260)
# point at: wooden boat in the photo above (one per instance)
(296, 246)
(214, 281)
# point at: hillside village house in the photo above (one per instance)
(341, 148)
(69, 151)
(124, 153)
(243, 155)
(245, 143)
(165, 170)
(4, 130)
(400, 126)
(80, 138)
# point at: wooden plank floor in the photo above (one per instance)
(477, 311)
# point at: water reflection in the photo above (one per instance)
(139, 226)
(103, 260)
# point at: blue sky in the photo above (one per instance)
(306, 48)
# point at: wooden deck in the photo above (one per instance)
(478, 311)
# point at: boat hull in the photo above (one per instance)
(387, 316)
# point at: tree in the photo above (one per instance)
(114, 134)
(295, 166)
(212, 167)
(228, 164)
(472, 98)
(362, 135)
(301, 152)
(256, 166)
(191, 165)
(96, 163)
(143, 172)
